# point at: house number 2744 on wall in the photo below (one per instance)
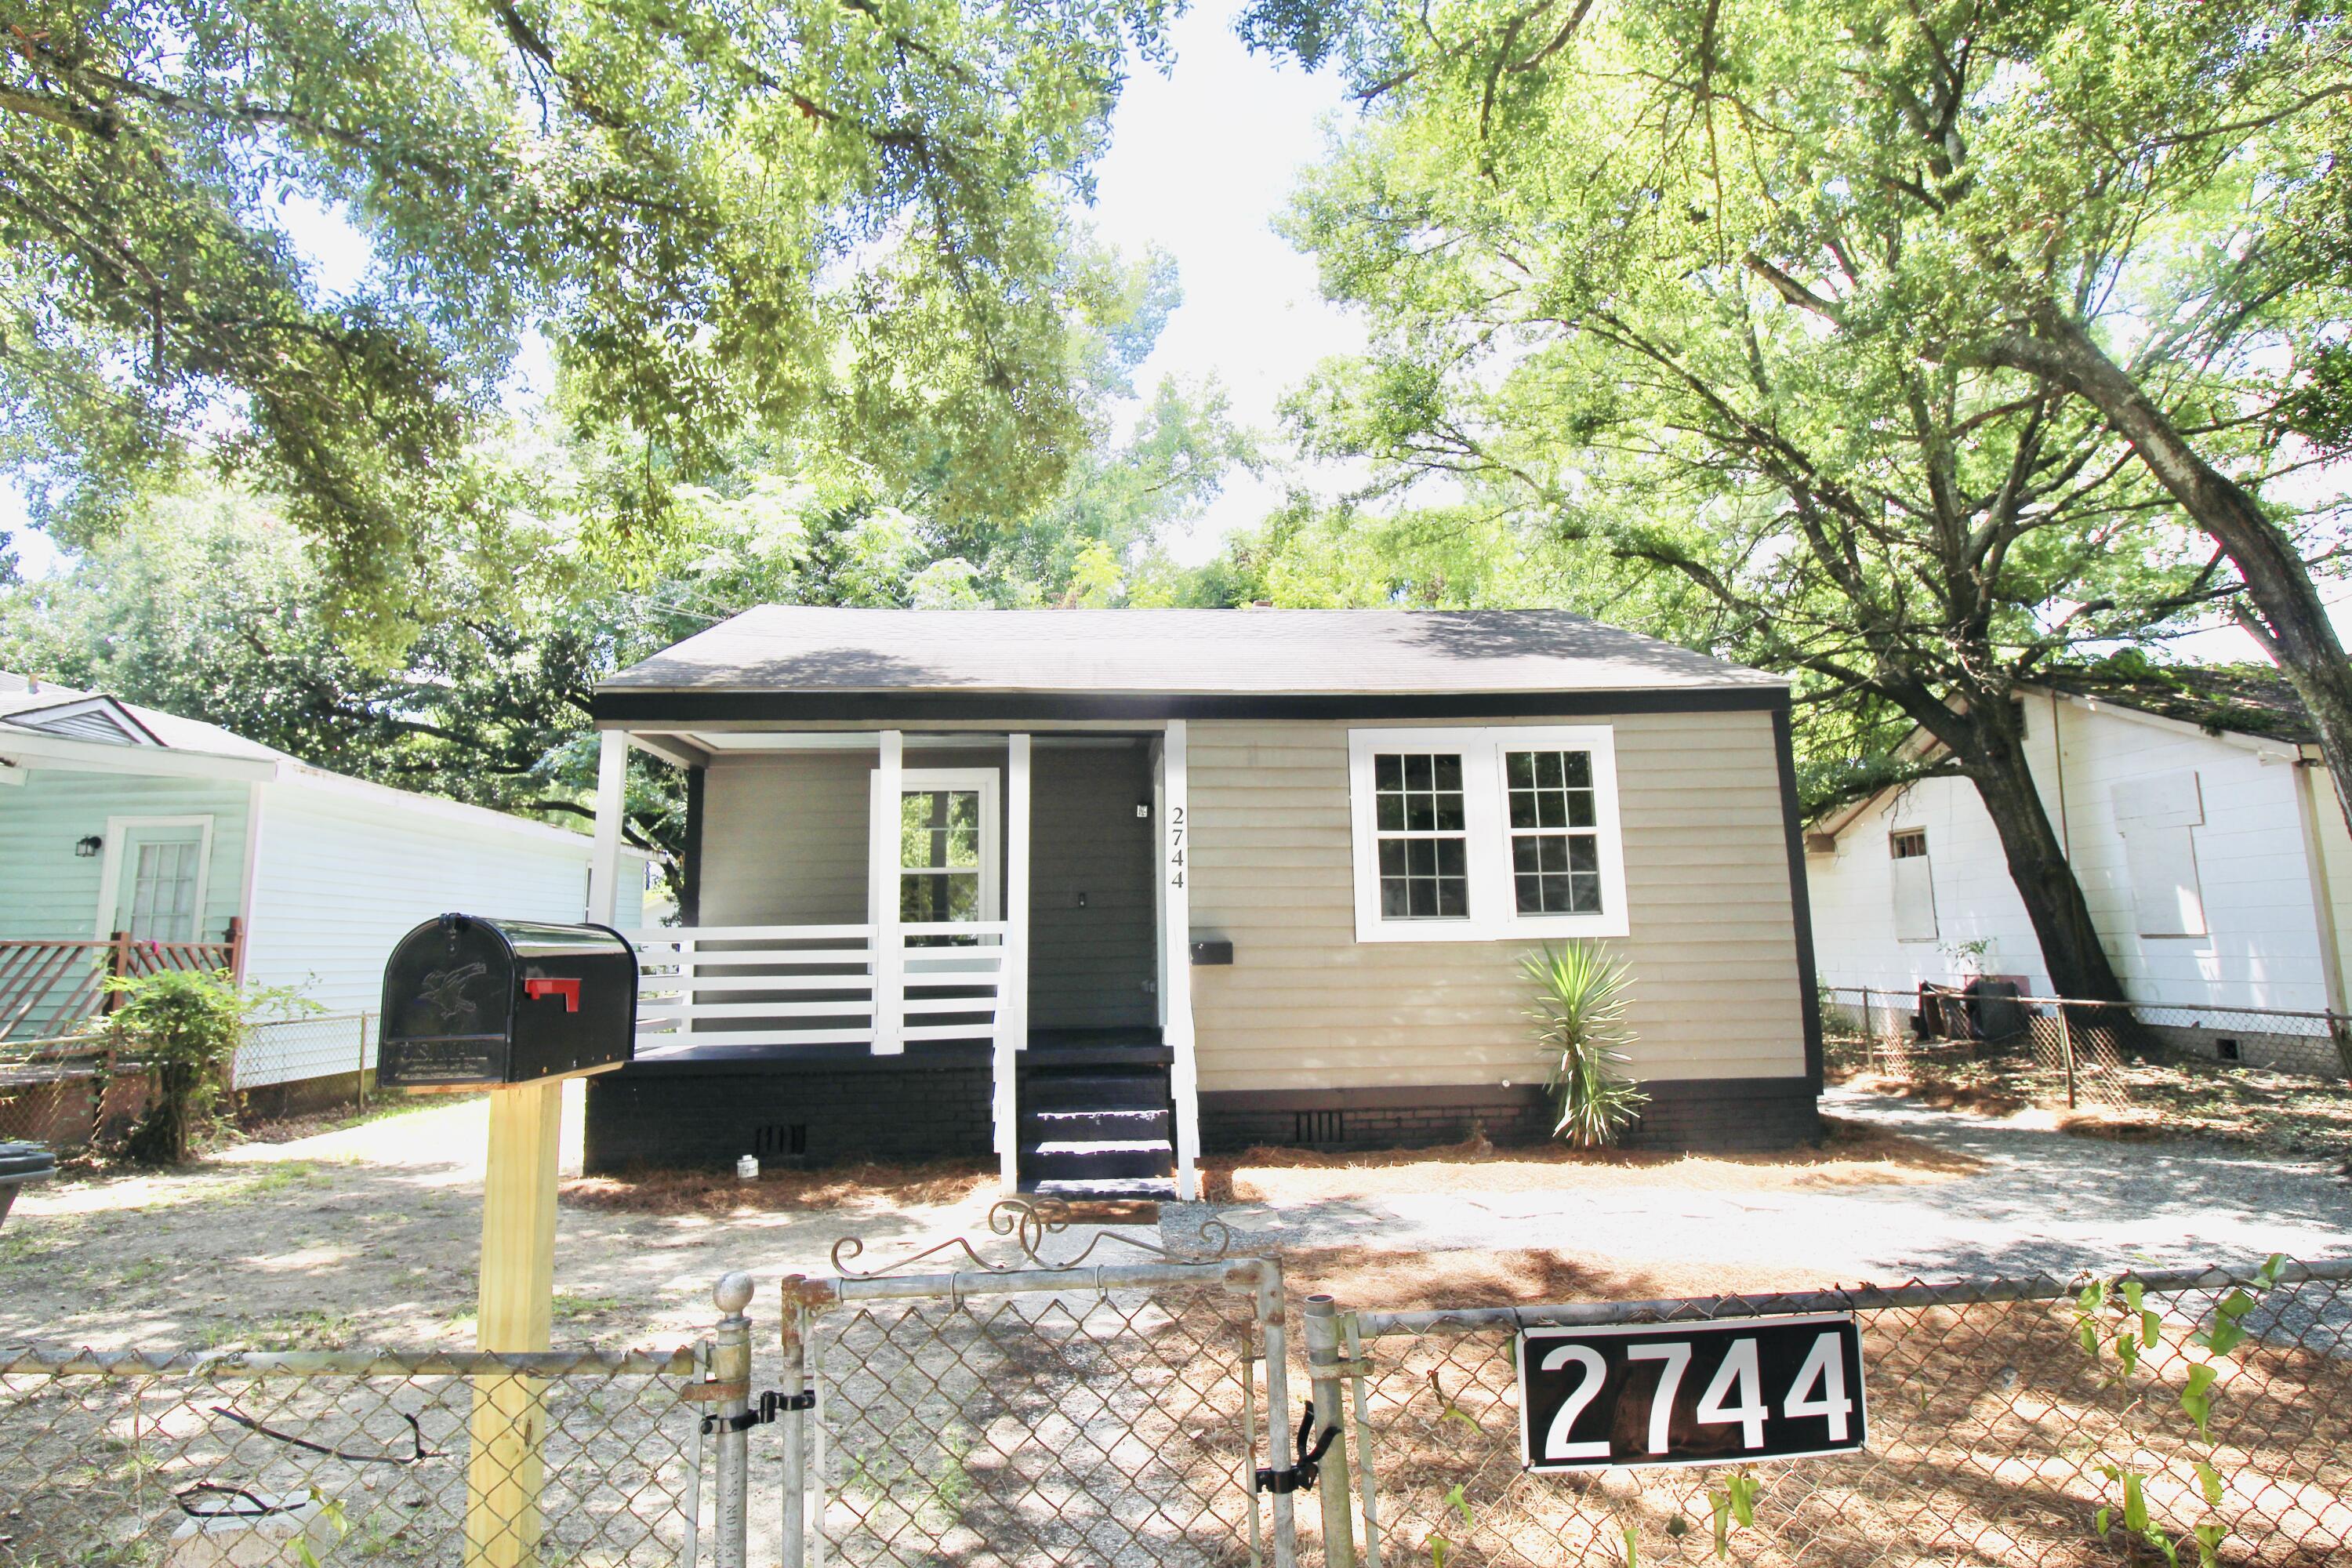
(1175, 845)
(1690, 1393)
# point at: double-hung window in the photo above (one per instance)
(1481, 833)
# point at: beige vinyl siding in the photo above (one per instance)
(1305, 1005)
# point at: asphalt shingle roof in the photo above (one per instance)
(1243, 652)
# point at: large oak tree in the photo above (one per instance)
(1734, 288)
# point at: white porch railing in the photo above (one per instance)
(814, 985)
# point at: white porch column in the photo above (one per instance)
(1012, 984)
(605, 858)
(1176, 957)
(889, 950)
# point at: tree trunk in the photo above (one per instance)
(1989, 742)
(2291, 627)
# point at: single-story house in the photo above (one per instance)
(133, 839)
(1100, 890)
(2201, 824)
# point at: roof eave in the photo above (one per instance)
(106, 757)
(617, 707)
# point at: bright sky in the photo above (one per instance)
(1202, 162)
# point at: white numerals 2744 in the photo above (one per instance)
(1734, 1395)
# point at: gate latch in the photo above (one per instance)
(770, 1405)
(1300, 1477)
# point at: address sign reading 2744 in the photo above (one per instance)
(1690, 1393)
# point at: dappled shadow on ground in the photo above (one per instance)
(2043, 1200)
(373, 1238)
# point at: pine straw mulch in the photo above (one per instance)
(721, 1192)
(1851, 1153)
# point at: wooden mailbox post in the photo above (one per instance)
(517, 1008)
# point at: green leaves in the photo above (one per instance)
(1733, 1502)
(841, 224)
(1582, 991)
(1694, 290)
(2196, 1397)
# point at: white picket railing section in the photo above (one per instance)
(813, 985)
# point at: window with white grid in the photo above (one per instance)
(1486, 833)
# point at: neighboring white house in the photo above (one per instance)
(2200, 821)
(134, 839)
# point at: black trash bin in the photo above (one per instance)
(21, 1165)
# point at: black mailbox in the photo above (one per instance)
(474, 1001)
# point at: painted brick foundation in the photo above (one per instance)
(1729, 1116)
(682, 1115)
(705, 1114)
(1717, 1116)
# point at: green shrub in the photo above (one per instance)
(1579, 1014)
(184, 1026)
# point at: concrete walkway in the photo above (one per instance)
(2044, 1201)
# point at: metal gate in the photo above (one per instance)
(1080, 1412)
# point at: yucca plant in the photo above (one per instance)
(1580, 1013)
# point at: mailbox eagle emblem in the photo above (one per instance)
(443, 994)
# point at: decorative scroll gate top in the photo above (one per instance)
(1070, 1412)
(1029, 1221)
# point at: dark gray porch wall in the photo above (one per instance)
(785, 836)
(784, 839)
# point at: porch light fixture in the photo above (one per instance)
(88, 848)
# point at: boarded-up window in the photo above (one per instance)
(2157, 815)
(1915, 886)
(2163, 867)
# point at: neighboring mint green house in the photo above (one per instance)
(130, 839)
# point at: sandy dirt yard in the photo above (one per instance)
(368, 1234)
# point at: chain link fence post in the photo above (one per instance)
(2066, 1051)
(1322, 1325)
(730, 1368)
(1367, 1461)
(795, 1351)
(1269, 1302)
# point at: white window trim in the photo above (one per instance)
(109, 876)
(1494, 913)
(988, 782)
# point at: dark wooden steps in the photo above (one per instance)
(1096, 1120)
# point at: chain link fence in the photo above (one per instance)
(85, 1091)
(1995, 1436)
(2056, 1051)
(319, 1061)
(70, 1094)
(1136, 1416)
(304, 1459)
(1099, 1417)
